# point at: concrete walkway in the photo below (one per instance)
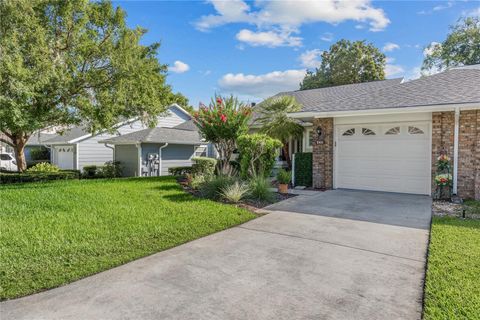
(284, 265)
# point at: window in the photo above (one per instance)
(310, 138)
(367, 132)
(414, 130)
(393, 131)
(349, 132)
(5, 157)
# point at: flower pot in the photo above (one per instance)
(283, 188)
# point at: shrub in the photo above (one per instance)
(221, 123)
(195, 181)
(111, 169)
(43, 167)
(90, 172)
(284, 177)
(258, 153)
(203, 166)
(260, 189)
(303, 169)
(213, 187)
(180, 171)
(235, 192)
(7, 178)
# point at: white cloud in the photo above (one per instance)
(390, 46)
(390, 60)
(262, 85)
(327, 36)
(310, 58)
(393, 70)
(440, 7)
(290, 14)
(179, 67)
(268, 38)
(472, 13)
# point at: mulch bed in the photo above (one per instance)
(441, 208)
(249, 204)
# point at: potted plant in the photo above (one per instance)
(283, 178)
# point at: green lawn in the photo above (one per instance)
(453, 276)
(54, 233)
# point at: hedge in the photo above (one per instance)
(303, 169)
(180, 171)
(7, 178)
(204, 166)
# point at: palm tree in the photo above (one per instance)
(272, 116)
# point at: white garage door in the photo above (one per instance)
(65, 157)
(392, 157)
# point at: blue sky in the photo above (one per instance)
(256, 49)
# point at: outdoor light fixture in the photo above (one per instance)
(320, 134)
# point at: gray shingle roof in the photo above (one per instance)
(158, 135)
(323, 99)
(187, 125)
(38, 139)
(454, 86)
(68, 135)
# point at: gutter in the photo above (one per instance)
(393, 110)
(160, 158)
(455, 149)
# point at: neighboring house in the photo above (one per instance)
(386, 135)
(4, 146)
(35, 149)
(77, 148)
(151, 152)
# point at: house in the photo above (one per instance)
(151, 152)
(386, 135)
(76, 147)
(35, 149)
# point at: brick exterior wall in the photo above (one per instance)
(469, 154)
(443, 131)
(322, 165)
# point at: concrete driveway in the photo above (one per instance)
(355, 255)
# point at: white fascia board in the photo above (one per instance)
(349, 113)
(181, 109)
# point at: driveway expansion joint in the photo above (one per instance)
(331, 243)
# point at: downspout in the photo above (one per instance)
(77, 156)
(455, 149)
(110, 147)
(160, 158)
(139, 156)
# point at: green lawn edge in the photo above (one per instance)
(54, 233)
(452, 284)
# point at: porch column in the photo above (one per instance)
(323, 145)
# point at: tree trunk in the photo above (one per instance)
(287, 155)
(19, 142)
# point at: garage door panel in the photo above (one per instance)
(397, 163)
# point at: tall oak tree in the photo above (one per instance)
(64, 63)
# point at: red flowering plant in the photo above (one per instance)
(221, 123)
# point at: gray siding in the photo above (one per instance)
(127, 155)
(94, 153)
(176, 155)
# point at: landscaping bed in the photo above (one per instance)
(452, 288)
(248, 203)
(56, 232)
